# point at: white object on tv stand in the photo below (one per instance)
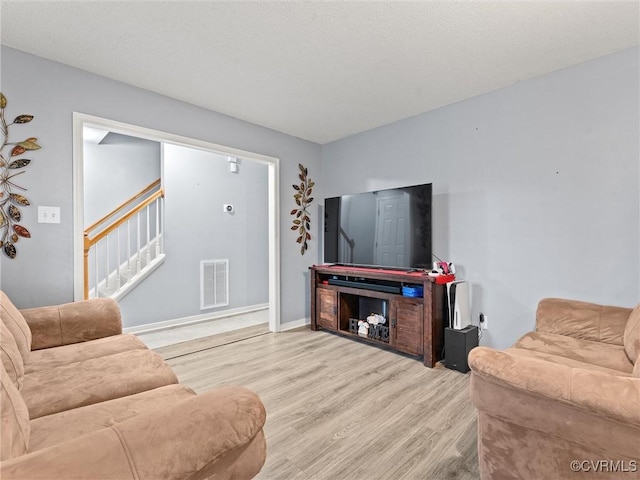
(458, 304)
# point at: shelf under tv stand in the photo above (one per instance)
(341, 295)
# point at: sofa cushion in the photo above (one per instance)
(583, 320)
(94, 380)
(594, 353)
(570, 362)
(17, 325)
(632, 335)
(76, 352)
(237, 417)
(14, 432)
(73, 322)
(215, 435)
(11, 358)
(60, 427)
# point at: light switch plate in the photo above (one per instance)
(48, 214)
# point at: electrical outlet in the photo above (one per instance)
(48, 214)
(484, 321)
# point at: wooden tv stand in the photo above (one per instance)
(415, 325)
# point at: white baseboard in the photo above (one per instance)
(295, 324)
(166, 324)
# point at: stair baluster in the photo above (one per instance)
(148, 239)
(117, 288)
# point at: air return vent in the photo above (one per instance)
(214, 283)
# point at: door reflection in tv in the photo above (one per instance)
(390, 228)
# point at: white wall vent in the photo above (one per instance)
(214, 283)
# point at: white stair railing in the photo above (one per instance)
(108, 258)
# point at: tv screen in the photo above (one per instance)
(386, 228)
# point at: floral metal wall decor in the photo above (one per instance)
(11, 167)
(302, 197)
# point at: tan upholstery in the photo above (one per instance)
(214, 435)
(94, 380)
(15, 429)
(73, 322)
(632, 335)
(60, 427)
(57, 356)
(582, 320)
(15, 322)
(95, 403)
(586, 351)
(11, 358)
(565, 392)
(569, 361)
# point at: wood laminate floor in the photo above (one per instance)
(341, 410)
(206, 343)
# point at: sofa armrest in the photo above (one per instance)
(73, 322)
(536, 418)
(216, 434)
(610, 396)
(583, 320)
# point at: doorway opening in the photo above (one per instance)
(266, 168)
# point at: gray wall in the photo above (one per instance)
(197, 184)
(43, 271)
(116, 169)
(536, 187)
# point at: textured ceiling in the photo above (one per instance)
(320, 71)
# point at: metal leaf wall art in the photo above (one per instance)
(302, 219)
(11, 167)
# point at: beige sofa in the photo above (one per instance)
(82, 400)
(564, 401)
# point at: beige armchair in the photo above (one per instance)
(564, 401)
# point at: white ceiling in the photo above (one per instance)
(319, 70)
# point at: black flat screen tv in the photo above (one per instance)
(385, 228)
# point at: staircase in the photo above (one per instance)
(125, 246)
